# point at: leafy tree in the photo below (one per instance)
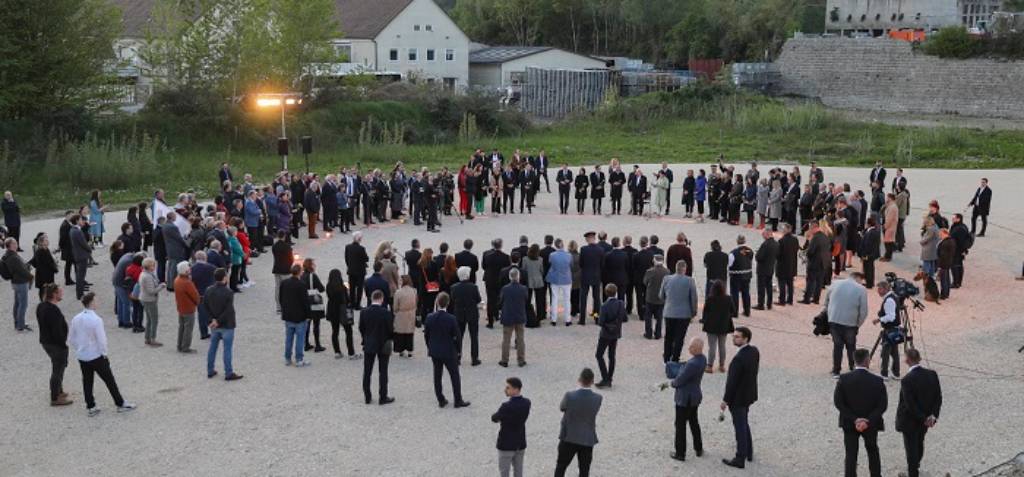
(55, 55)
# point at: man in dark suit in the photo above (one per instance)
(981, 202)
(494, 260)
(512, 416)
(597, 181)
(868, 252)
(528, 183)
(861, 399)
(377, 282)
(466, 258)
(295, 313)
(176, 247)
(513, 318)
(637, 191)
(632, 292)
(329, 202)
(441, 331)
(355, 265)
(740, 394)
(786, 264)
(918, 409)
(687, 398)
(616, 270)
(466, 302)
(765, 258)
(577, 435)
(899, 182)
(564, 180)
(412, 260)
(376, 325)
(541, 164)
(510, 180)
(64, 244)
(819, 253)
(877, 174)
(81, 251)
(616, 179)
(591, 261)
(613, 313)
(224, 174)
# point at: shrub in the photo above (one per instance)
(104, 163)
(953, 42)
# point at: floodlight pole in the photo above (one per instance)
(284, 135)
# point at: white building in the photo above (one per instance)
(415, 39)
(878, 17)
(500, 67)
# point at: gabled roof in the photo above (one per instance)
(360, 19)
(502, 54)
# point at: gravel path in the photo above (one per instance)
(287, 421)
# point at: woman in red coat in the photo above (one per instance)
(464, 199)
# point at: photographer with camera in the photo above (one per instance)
(892, 335)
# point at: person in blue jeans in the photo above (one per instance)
(219, 302)
(295, 314)
(21, 278)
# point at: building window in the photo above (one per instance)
(343, 52)
(413, 54)
(430, 54)
(429, 28)
(415, 28)
(393, 54)
(449, 84)
(517, 77)
(449, 54)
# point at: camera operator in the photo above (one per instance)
(890, 321)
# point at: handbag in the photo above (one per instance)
(430, 286)
(349, 319)
(314, 298)
(387, 347)
(136, 292)
(895, 336)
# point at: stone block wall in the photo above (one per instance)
(888, 75)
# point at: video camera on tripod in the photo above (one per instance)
(904, 290)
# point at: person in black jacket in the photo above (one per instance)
(338, 314)
(740, 394)
(44, 265)
(53, 335)
(613, 313)
(64, 244)
(716, 318)
(616, 269)
(466, 258)
(376, 325)
(494, 261)
(964, 241)
(219, 302)
(868, 252)
(591, 261)
(786, 264)
(565, 181)
(356, 260)
(295, 314)
(512, 416)
(616, 179)
(466, 300)
(597, 182)
(861, 399)
(316, 311)
(765, 258)
(283, 258)
(918, 408)
(981, 202)
(639, 264)
(441, 332)
(582, 184)
(637, 192)
(716, 264)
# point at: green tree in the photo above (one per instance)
(55, 55)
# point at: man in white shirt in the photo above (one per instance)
(159, 207)
(90, 342)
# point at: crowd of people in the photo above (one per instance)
(200, 254)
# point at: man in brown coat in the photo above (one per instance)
(891, 218)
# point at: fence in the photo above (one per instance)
(556, 93)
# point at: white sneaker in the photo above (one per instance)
(302, 364)
(356, 356)
(126, 407)
(93, 411)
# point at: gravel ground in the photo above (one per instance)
(287, 421)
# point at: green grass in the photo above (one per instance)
(768, 132)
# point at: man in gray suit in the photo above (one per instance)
(176, 247)
(81, 251)
(687, 398)
(512, 303)
(680, 295)
(578, 433)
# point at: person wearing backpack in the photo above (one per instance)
(14, 269)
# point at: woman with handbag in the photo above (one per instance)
(339, 315)
(430, 271)
(405, 304)
(314, 291)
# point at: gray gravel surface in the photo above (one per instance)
(287, 421)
